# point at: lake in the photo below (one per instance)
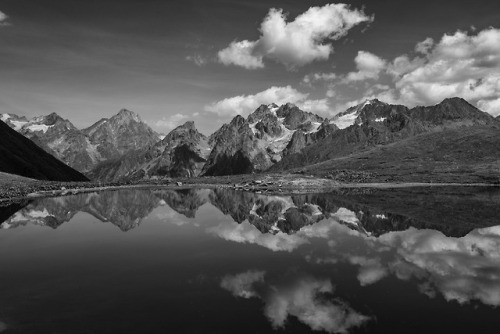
(422, 260)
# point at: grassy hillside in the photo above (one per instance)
(469, 154)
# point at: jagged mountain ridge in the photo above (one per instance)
(256, 143)
(182, 152)
(84, 149)
(272, 138)
(21, 156)
(377, 124)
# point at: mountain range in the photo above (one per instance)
(446, 138)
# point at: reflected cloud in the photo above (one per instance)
(248, 233)
(461, 269)
(308, 299)
(241, 285)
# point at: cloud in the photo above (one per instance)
(298, 42)
(369, 67)
(247, 233)
(462, 269)
(241, 285)
(321, 106)
(425, 46)
(171, 122)
(458, 65)
(3, 18)
(241, 54)
(310, 78)
(198, 59)
(245, 104)
(302, 298)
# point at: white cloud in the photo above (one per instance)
(241, 54)
(247, 233)
(198, 59)
(369, 67)
(310, 78)
(298, 42)
(425, 46)
(321, 106)
(301, 298)
(241, 285)
(3, 18)
(461, 65)
(245, 104)
(171, 122)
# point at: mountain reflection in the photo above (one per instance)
(454, 213)
(448, 240)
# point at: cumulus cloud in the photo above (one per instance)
(298, 42)
(425, 46)
(460, 64)
(462, 269)
(301, 298)
(247, 233)
(369, 67)
(241, 285)
(310, 78)
(171, 122)
(245, 104)
(241, 54)
(3, 18)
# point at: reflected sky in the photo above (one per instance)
(342, 262)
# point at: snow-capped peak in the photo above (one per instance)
(348, 117)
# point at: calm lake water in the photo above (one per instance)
(220, 261)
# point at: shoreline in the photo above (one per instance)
(268, 184)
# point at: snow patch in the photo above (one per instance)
(345, 121)
(272, 109)
(252, 127)
(39, 127)
(18, 124)
(315, 127)
(380, 119)
(381, 216)
(5, 117)
(280, 143)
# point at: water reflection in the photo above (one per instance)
(443, 243)
(308, 299)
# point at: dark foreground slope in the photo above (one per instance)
(465, 155)
(20, 156)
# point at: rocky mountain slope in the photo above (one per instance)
(84, 149)
(375, 124)
(21, 156)
(182, 153)
(272, 138)
(262, 139)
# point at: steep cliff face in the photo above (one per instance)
(258, 142)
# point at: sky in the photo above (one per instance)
(209, 60)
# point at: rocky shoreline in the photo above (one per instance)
(14, 190)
